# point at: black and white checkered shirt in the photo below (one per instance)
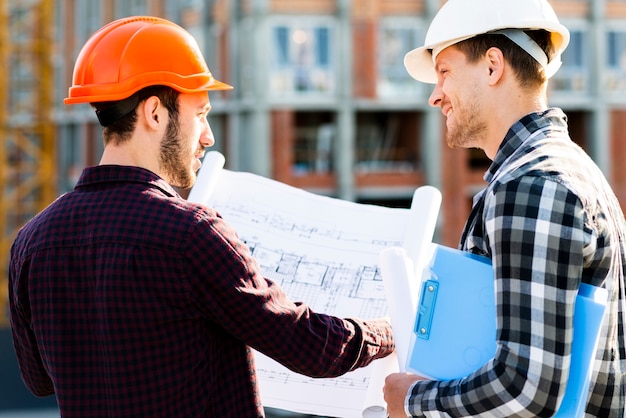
(548, 220)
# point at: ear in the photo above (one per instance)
(495, 62)
(152, 112)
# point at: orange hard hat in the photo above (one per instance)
(131, 53)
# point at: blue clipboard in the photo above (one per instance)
(455, 325)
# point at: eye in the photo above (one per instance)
(203, 112)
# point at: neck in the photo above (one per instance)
(129, 154)
(508, 109)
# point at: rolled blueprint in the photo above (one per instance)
(401, 289)
(207, 177)
(402, 268)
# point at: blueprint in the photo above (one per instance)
(324, 252)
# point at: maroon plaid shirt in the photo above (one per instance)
(127, 300)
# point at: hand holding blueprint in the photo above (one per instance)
(324, 252)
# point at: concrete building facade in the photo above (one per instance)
(322, 100)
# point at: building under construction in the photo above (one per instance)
(321, 101)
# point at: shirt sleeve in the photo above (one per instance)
(29, 359)
(535, 228)
(231, 291)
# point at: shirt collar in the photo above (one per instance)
(92, 176)
(521, 131)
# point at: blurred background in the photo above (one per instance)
(321, 101)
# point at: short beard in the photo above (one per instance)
(470, 136)
(171, 161)
(468, 131)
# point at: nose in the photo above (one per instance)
(206, 138)
(436, 96)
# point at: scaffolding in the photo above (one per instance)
(27, 149)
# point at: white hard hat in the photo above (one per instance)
(458, 20)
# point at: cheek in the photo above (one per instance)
(191, 145)
(196, 132)
(189, 134)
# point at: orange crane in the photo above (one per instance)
(27, 146)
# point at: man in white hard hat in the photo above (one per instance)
(547, 219)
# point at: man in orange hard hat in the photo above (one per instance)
(127, 300)
(547, 219)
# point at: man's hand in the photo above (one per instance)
(395, 391)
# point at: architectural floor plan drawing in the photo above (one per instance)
(331, 271)
(322, 251)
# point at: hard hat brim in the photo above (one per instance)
(420, 64)
(103, 93)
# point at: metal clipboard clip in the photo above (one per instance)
(426, 308)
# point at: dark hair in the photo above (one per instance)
(528, 71)
(120, 129)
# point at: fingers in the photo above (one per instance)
(395, 390)
(394, 396)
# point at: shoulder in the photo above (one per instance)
(532, 206)
(189, 218)
(204, 224)
(535, 189)
(42, 226)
